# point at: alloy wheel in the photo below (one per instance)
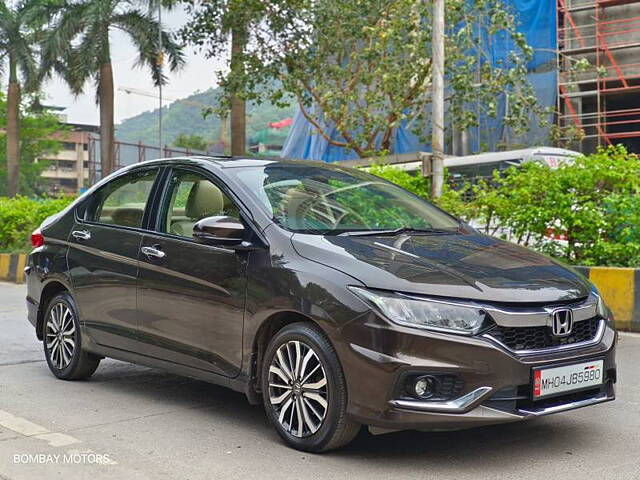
(298, 388)
(60, 335)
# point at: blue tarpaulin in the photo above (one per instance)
(537, 21)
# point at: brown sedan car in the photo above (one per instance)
(335, 298)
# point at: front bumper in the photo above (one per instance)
(377, 355)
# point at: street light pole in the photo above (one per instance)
(437, 100)
(160, 62)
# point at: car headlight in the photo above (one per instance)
(601, 309)
(421, 313)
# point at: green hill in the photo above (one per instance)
(185, 116)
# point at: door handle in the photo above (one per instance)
(81, 235)
(152, 252)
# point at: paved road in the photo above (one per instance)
(134, 422)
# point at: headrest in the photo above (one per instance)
(205, 200)
(128, 216)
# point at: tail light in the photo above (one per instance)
(37, 239)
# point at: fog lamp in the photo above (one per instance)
(425, 387)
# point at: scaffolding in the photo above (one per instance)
(599, 71)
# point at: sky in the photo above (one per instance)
(199, 74)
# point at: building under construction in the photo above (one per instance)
(599, 71)
(585, 67)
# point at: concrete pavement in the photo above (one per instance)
(133, 422)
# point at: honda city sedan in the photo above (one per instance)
(335, 298)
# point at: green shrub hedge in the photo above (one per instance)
(20, 216)
(586, 212)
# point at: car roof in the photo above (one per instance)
(231, 162)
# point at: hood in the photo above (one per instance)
(465, 265)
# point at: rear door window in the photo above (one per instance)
(123, 201)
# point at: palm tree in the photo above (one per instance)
(79, 49)
(17, 53)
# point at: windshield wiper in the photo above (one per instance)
(396, 231)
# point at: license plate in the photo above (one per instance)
(551, 381)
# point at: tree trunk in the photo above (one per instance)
(13, 139)
(107, 138)
(238, 107)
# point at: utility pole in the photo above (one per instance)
(437, 101)
(224, 131)
(160, 64)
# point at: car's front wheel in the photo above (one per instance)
(304, 390)
(63, 342)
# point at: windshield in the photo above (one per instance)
(333, 200)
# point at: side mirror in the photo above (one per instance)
(219, 230)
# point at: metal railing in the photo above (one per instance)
(130, 153)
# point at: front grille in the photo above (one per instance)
(519, 398)
(534, 338)
(534, 405)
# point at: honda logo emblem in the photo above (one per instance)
(561, 322)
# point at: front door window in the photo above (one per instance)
(191, 198)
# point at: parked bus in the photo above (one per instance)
(482, 165)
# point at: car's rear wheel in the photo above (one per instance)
(62, 341)
(304, 390)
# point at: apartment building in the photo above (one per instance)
(68, 170)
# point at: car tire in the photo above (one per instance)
(304, 390)
(62, 341)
